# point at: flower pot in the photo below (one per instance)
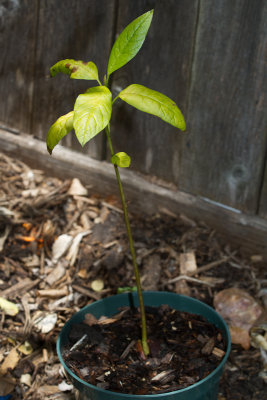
(206, 389)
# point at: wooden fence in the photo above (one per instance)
(207, 55)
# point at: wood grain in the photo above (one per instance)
(163, 64)
(239, 230)
(209, 59)
(18, 24)
(69, 29)
(263, 197)
(224, 155)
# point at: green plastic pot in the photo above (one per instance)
(206, 389)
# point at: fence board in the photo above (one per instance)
(17, 43)
(210, 60)
(263, 198)
(69, 29)
(163, 64)
(223, 158)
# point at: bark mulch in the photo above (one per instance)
(184, 348)
(63, 247)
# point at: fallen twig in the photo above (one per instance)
(190, 279)
(189, 276)
(86, 292)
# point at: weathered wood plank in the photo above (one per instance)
(69, 29)
(17, 43)
(247, 232)
(263, 197)
(223, 155)
(163, 64)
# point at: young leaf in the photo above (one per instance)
(129, 42)
(153, 102)
(76, 69)
(58, 130)
(121, 159)
(92, 112)
(126, 289)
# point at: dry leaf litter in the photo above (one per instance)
(63, 247)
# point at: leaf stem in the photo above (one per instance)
(132, 250)
(106, 80)
(113, 101)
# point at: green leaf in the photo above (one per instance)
(92, 113)
(58, 130)
(121, 159)
(153, 102)
(76, 69)
(126, 289)
(129, 42)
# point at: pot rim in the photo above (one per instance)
(159, 395)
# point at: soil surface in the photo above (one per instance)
(63, 247)
(184, 348)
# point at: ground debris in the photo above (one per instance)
(241, 311)
(133, 371)
(48, 286)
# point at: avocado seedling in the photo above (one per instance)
(92, 114)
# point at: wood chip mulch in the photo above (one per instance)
(63, 247)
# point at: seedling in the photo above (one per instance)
(93, 110)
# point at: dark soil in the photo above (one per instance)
(184, 348)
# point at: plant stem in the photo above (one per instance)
(132, 250)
